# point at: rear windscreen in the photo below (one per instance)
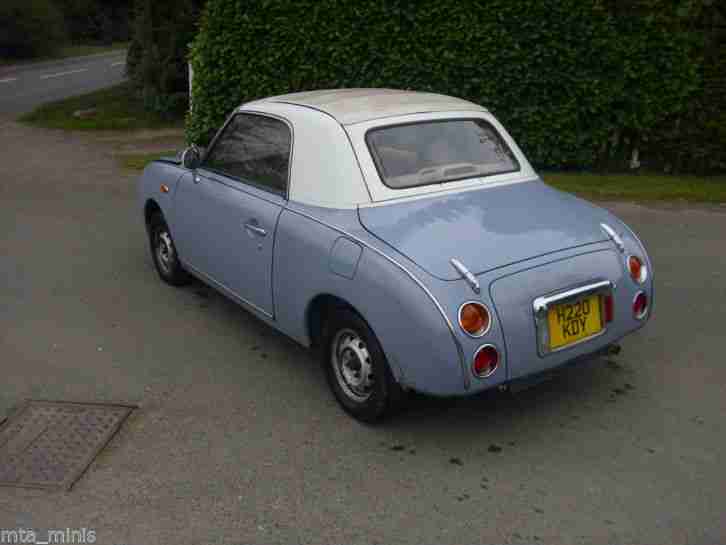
(433, 152)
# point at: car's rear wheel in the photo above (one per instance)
(356, 368)
(164, 254)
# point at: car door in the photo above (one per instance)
(226, 211)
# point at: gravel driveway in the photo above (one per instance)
(237, 439)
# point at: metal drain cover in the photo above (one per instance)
(49, 444)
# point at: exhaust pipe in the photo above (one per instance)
(613, 350)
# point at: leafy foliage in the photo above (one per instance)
(565, 76)
(692, 139)
(30, 28)
(156, 63)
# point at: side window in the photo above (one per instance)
(253, 149)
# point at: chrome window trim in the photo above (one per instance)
(541, 306)
(381, 193)
(242, 186)
(262, 187)
(292, 143)
(373, 151)
(473, 359)
(489, 324)
(357, 160)
(216, 136)
(452, 331)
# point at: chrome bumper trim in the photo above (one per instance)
(542, 305)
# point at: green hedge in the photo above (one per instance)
(564, 76)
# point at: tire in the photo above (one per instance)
(163, 253)
(349, 347)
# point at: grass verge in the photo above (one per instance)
(69, 51)
(641, 187)
(117, 108)
(137, 161)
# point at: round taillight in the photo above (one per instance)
(474, 319)
(486, 361)
(638, 270)
(640, 305)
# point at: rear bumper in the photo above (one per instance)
(512, 294)
(515, 297)
(587, 352)
(528, 381)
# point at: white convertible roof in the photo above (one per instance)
(331, 164)
(349, 106)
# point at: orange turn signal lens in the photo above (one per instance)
(474, 319)
(638, 271)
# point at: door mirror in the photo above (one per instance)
(191, 157)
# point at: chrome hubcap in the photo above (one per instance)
(165, 251)
(352, 365)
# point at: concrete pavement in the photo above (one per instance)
(26, 86)
(237, 439)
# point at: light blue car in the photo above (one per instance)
(404, 235)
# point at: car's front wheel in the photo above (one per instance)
(163, 252)
(356, 368)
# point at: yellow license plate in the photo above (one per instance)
(574, 321)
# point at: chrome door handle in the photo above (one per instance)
(256, 229)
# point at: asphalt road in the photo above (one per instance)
(237, 439)
(26, 86)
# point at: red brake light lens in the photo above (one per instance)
(486, 361)
(609, 308)
(640, 305)
(638, 270)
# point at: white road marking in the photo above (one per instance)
(8, 80)
(118, 63)
(59, 74)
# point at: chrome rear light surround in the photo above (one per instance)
(643, 270)
(641, 316)
(484, 331)
(493, 369)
